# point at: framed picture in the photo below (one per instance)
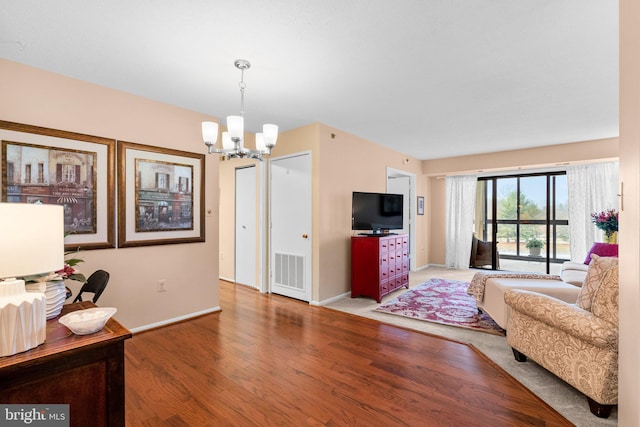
(160, 196)
(420, 205)
(76, 171)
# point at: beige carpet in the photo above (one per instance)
(558, 394)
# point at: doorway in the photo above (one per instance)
(401, 182)
(245, 226)
(290, 252)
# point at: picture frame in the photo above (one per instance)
(77, 171)
(160, 195)
(420, 205)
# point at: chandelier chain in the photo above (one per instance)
(242, 86)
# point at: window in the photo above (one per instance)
(68, 173)
(162, 181)
(27, 173)
(40, 173)
(183, 184)
(10, 173)
(527, 215)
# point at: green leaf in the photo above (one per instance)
(79, 277)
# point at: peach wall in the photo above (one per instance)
(335, 175)
(437, 237)
(514, 160)
(629, 240)
(41, 98)
(552, 155)
(349, 163)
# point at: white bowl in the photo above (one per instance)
(83, 322)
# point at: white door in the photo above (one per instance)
(290, 232)
(401, 182)
(245, 235)
(401, 185)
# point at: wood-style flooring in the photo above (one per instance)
(270, 360)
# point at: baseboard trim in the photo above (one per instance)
(175, 320)
(434, 265)
(329, 300)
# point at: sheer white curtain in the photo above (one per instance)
(592, 188)
(460, 206)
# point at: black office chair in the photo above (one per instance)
(95, 284)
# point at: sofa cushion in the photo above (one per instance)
(574, 273)
(598, 267)
(605, 302)
(602, 249)
(574, 277)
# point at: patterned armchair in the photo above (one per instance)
(576, 342)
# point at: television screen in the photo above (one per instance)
(376, 211)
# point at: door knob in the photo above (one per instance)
(305, 236)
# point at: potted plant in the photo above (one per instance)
(607, 221)
(534, 245)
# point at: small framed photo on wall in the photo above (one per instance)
(420, 205)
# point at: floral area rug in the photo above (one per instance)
(442, 301)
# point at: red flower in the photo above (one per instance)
(606, 221)
(70, 273)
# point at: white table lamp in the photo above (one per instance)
(31, 242)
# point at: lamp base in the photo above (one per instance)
(23, 323)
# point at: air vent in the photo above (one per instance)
(289, 270)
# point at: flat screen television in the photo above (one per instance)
(376, 212)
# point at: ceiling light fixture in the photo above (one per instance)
(233, 139)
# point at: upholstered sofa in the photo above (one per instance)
(577, 342)
(490, 300)
(489, 288)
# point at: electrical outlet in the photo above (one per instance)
(162, 285)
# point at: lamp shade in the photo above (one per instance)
(31, 239)
(235, 126)
(270, 135)
(260, 145)
(210, 132)
(227, 143)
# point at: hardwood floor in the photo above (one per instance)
(270, 360)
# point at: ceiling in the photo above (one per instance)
(428, 78)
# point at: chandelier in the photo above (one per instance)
(233, 139)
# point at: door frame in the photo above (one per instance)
(255, 188)
(268, 277)
(393, 172)
(261, 282)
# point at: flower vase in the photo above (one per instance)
(611, 237)
(55, 293)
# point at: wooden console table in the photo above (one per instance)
(84, 371)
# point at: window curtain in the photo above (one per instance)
(592, 188)
(460, 207)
